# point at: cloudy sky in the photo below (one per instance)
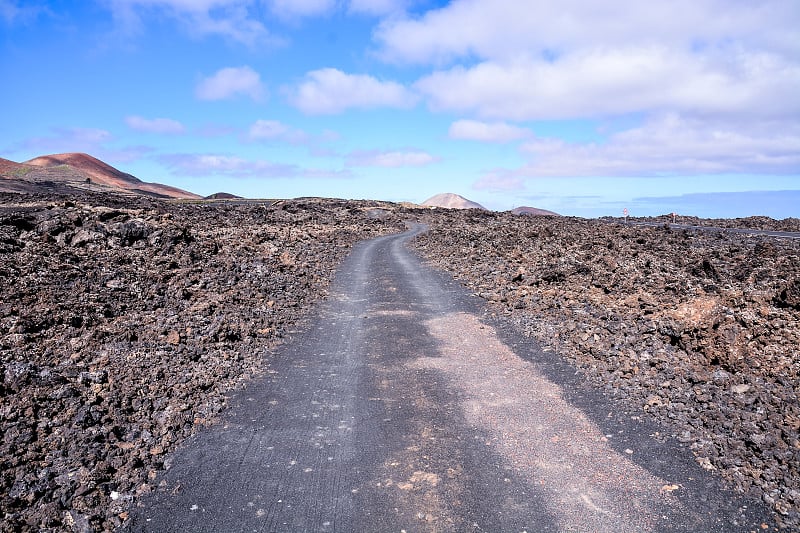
(577, 106)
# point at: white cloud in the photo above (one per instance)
(233, 19)
(156, 125)
(597, 83)
(229, 82)
(715, 91)
(237, 167)
(390, 159)
(498, 132)
(330, 91)
(504, 29)
(566, 59)
(273, 130)
(671, 145)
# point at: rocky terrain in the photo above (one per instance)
(759, 222)
(123, 324)
(700, 330)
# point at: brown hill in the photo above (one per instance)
(451, 201)
(21, 178)
(222, 196)
(533, 211)
(8, 167)
(92, 170)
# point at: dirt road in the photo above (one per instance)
(400, 407)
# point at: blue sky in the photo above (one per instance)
(577, 106)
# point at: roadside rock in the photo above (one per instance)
(124, 323)
(700, 329)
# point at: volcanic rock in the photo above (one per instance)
(700, 329)
(124, 323)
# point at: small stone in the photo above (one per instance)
(741, 388)
(705, 462)
(173, 337)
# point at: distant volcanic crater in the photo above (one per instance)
(452, 201)
(77, 171)
(533, 211)
(222, 196)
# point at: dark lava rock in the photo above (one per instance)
(700, 329)
(789, 295)
(123, 324)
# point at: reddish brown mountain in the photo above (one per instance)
(92, 170)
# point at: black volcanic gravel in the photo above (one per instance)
(124, 322)
(701, 330)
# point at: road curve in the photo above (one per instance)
(399, 408)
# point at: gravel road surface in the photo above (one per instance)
(402, 407)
